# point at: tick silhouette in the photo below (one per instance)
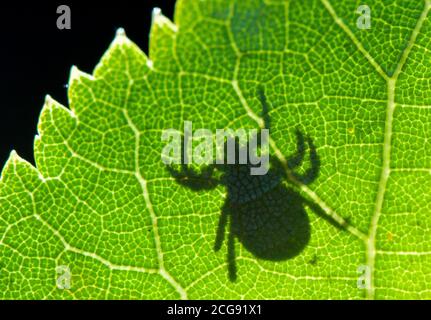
(265, 214)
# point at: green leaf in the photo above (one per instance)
(102, 206)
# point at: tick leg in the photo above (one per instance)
(221, 228)
(313, 171)
(231, 254)
(194, 180)
(298, 157)
(189, 177)
(266, 119)
(265, 109)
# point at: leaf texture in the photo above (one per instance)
(101, 202)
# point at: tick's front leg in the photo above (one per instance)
(194, 180)
(313, 171)
(221, 227)
(296, 160)
(231, 254)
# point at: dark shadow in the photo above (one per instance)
(261, 211)
(273, 227)
(194, 180)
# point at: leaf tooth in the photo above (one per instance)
(121, 32)
(15, 159)
(125, 46)
(56, 122)
(10, 168)
(161, 20)
(51, 103)
(77, 75)
(37, 140)
(162, 43)
(48, 107)
(14, 156)
(121, 38)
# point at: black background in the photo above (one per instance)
(270, 309)
(36, 57)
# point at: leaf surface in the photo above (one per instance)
(102, 203)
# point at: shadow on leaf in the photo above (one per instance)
(263, 212)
